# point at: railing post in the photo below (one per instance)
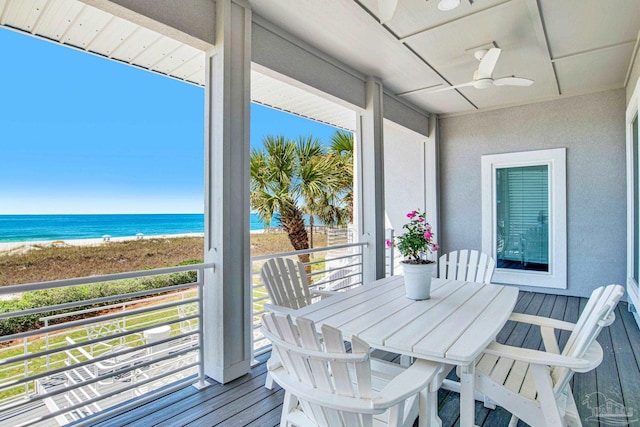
(201, 381)
(26, 365)
(46, 323)
(391, 252)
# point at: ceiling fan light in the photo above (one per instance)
(482, 83)
(446, 5)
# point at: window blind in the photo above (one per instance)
(522, 197)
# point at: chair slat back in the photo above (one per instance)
(286, 282)
(470, 266)
(597, 313)
(323, 364)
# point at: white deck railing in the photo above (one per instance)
(332, 268)
(91, 354)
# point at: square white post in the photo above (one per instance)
(370, 185)
(227, 290)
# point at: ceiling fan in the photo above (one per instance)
(482, 77)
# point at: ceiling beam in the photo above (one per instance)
(590, 51)
(632, 61)
(541, 34)
(460, 18)
(417, 55)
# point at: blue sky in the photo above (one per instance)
(83, 134)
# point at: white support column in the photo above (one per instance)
(370, 185)
(227, 290)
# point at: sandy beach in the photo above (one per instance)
(9, 248)
(21, 247)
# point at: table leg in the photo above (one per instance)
(428, 408)
(467, 399)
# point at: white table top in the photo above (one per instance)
(454, 326)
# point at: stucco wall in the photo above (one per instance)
(409, 177)
(591, 127)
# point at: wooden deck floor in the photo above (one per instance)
(245, 401)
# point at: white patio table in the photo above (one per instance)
(454, 326)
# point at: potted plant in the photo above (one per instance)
(415, 245)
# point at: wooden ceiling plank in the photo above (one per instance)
(38, 23)
(89, 44)
(153, 65)
(148, 46)
(174, 69)
(5, 12)
(72, 23)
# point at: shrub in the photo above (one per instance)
(50, 297)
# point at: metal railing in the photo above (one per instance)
(99, 350)
(390, 256)
(86, 354)
(331, 268)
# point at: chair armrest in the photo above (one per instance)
(415, 378)
(542, 321)
(591, 359)
(278, 309)
(322, 294)
(82, 351)
(547, 328)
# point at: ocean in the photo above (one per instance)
(25, 228)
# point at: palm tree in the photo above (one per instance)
(337, 207)
(285, 175)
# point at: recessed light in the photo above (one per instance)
(446, 5)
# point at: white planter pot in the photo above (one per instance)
(417, 280)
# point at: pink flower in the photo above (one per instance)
(411, 214)
(428, 235)
(420, 219)
(389, 243)
(427, 227)
(435, 247)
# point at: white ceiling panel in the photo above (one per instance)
(112, 37)
(24, 13)
(579, 46)
(135, 44)
(602, 69)
(158, 51)
(452, 46)
(272, 92)
(348, 33)
(419, 15)
(177, 58)
(574, 26)
(86, 27)
(57, 18)
(192, 70)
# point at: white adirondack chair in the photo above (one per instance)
(326, 386)
(287, 285)
(471, 266)
(534, 385)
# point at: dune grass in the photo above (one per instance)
(54, 263)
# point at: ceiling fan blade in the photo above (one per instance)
(512, 81)
(452, 87)
(386, 10)
(488, 63)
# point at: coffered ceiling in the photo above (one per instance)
(567, 47)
